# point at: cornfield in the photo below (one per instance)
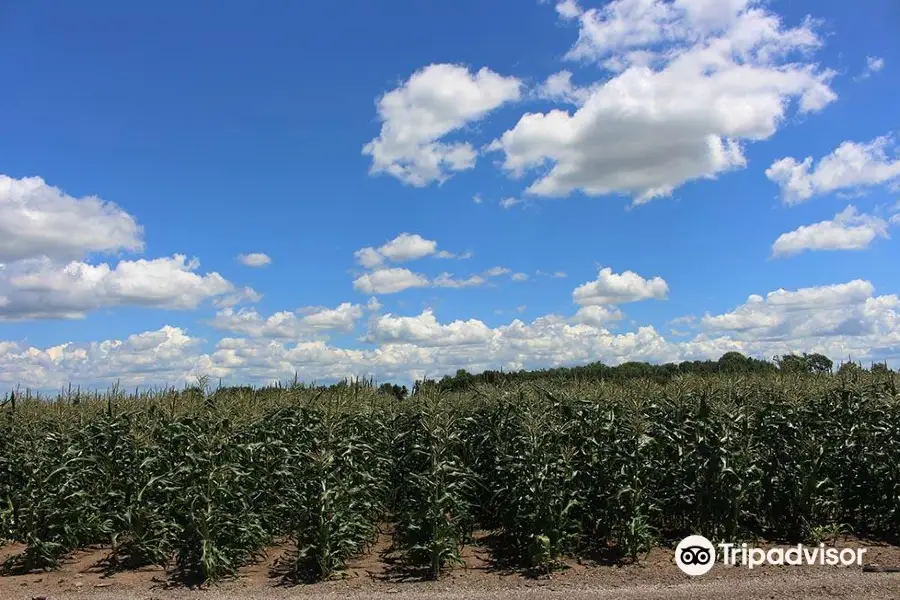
(202, 481)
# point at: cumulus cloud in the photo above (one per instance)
(389, 281)
(827, 315)
(403, 248)
(396, 279)
(509, 202)
(304, 323)
(519, 277)
(559, 88)
(406, 247)
(424, 330)
(43, 289)
(851, 166)
(849, 230)
(435, 101)
(617, 288)
(39, 220)
(597, 316)
(368, 257)
(692, 82)
(255, 259)
(149, 358)
(840, 321)
(245, 295)
(45, 235)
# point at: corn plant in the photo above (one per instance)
(433, 516)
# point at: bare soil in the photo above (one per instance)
(378, 574)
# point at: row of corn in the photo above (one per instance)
(201, 482)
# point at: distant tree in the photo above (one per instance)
(818, 363)
(733, 362)
(792, 363)
(394, 390)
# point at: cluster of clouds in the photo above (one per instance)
(683, 87)
(382, 278)
(52, 278)
(305, 323)
(662, 114)
(47, 241)
(843, 321)
(850, 169)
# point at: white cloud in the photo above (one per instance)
(42, 289)
(407, 247)
(255, 259)
(477, 199)
(150, 358)
(874, 64)
(447, 280)
(683, 320)
(368, 257)
(568, 9)
(304, 323)
(519, 276)
(597, 316)
(840, 321)
(38, 220)
(496, 271)
(403, 248)
(373, 305)
(509, 202)
(693, 81)
(435, 101)
(615, 288)
(849, 230)
(424, 330)
(851, 166)
(244, 295)
(847, 310)
(559, 275)
(389, 281)
(559, 87)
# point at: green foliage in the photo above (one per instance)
(433, 484)
(731, 362)
(200, 480)
(805, 363)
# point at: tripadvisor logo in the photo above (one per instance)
(695, 555)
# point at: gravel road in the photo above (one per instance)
(832, 584)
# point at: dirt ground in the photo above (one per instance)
(376, 575)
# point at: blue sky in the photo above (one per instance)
(662, 141)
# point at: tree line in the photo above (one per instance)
(729, 363)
